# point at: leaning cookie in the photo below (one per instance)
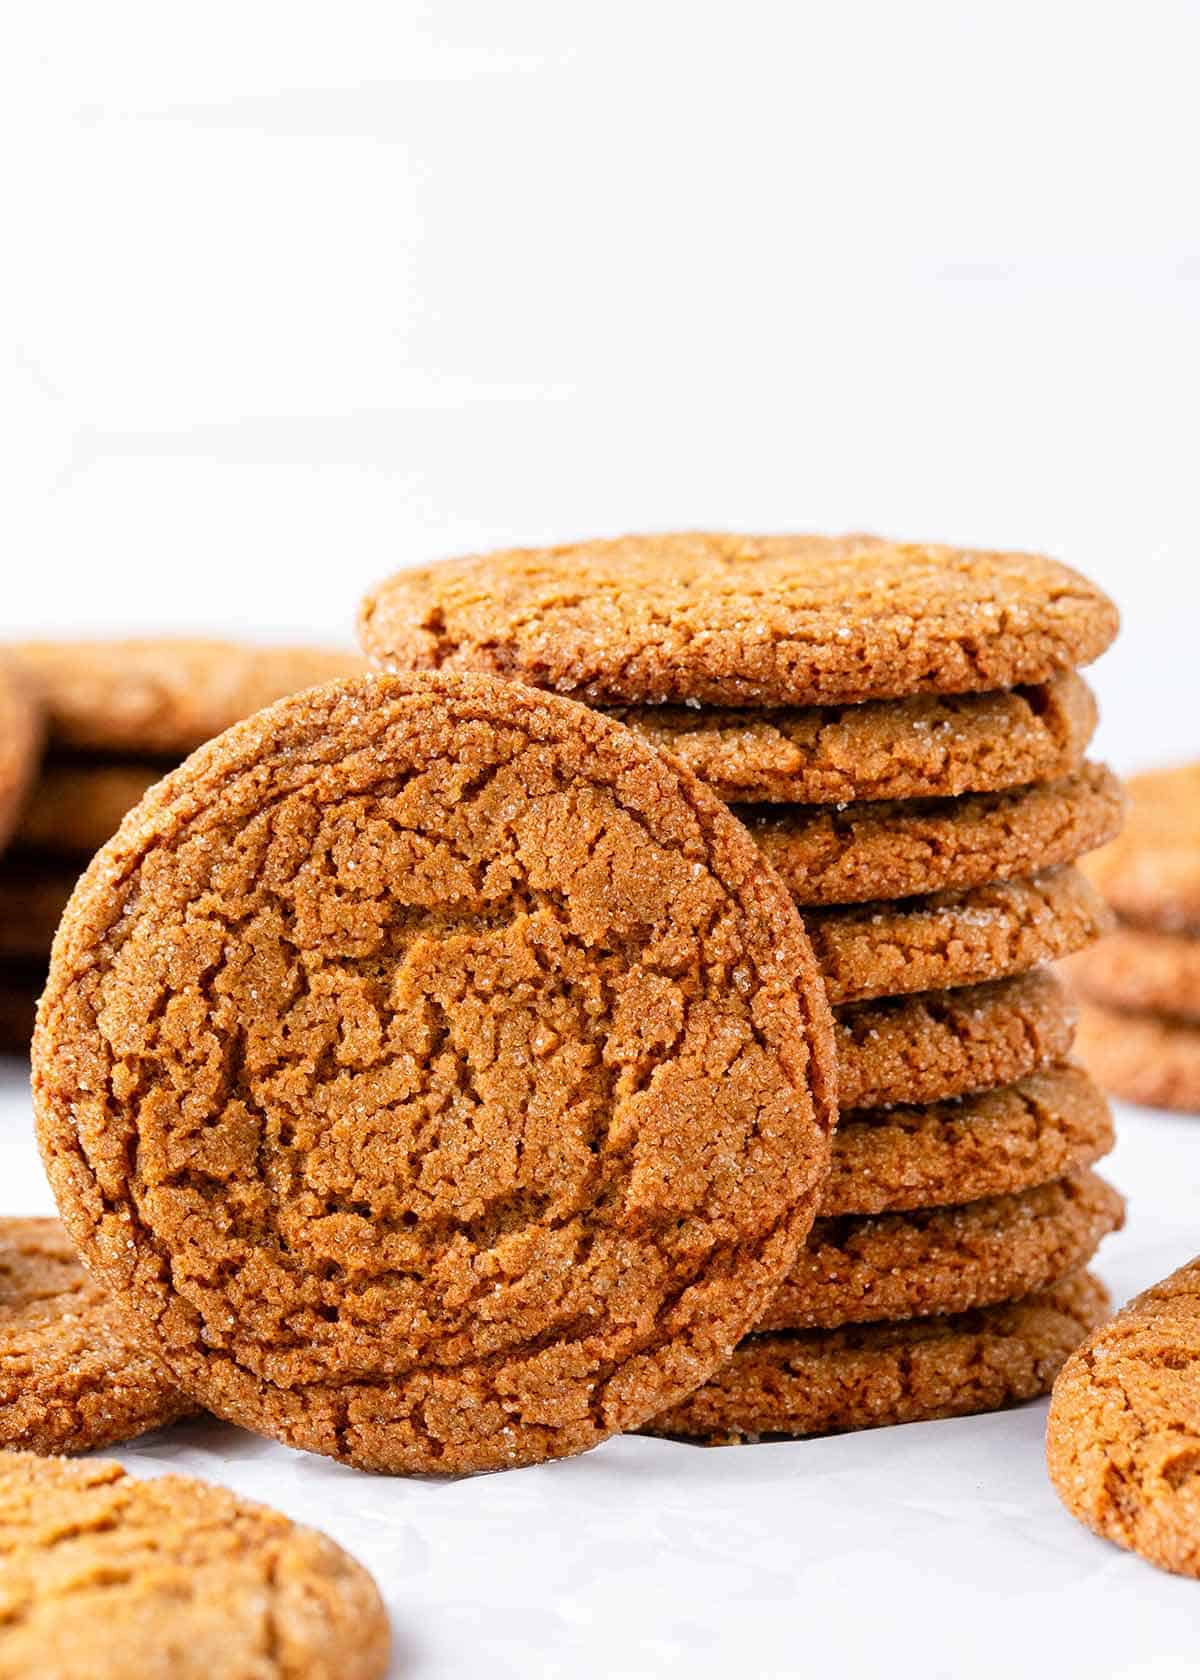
(825, 1382)
(72, 1375)
(109, 1578)
(1123, 1436)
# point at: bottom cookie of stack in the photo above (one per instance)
(863, 1376)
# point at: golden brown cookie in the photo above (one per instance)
(1146, 1059)
(437, 1073)
(929, 746)
(20, 744)
(742, 620)
(947, 1259)
(934, 1045)
(1137, 970)
(77, 804)
(833, 854)
(1151, 873)
(20, 987)
(825, 1382)
(103, 1577)
(954, 939)
(164, 695)
(1123, 1436)
(33, 895)
(72, 1376)
(893, 1159)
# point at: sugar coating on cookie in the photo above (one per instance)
(939, 940)
(1123, 1435)
(73, 1376)
(931, 1046)
(1043, 1127)
(944, 1259)
(20, 744)
(928, 746)
(1146, 1059)
(107, 1577)
(1151, 873)
(165, 694)
(901, 848)
(743, 620)
(437, 1073)
(825, 1382)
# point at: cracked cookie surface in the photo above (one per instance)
(945, 1259)
(931, 1046)
(437, 1072)
(893, 1159)
(825, 1382)
(928, 746)
(902, 848)
(105, 1577)
(163, 694)
(1123, 1435)
(72, 1375)
(742, 620)
(1145, 1059)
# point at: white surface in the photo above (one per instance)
(294, 294)
(935, 1549)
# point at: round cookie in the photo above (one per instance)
(20, 987)
(954, 939)
(944, 1260)
(165, 695)
(899, 849)
(1141, 971)
(1123, 1435)
(110, 1578)
(477, 1071)
(726, 619)
(1151, 872)
(1144, 1059)
(33, 896)
(77, 804)
(20, 744)
(928, 746)
(825, 1382)
(894, 1159)
(72, 1377)
(930, 1046)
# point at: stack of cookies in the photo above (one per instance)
(1140, 1018)
(116, 716)
(902, 730)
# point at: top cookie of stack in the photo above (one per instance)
(903, 730)
(117, 716)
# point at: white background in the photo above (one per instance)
(297, 294)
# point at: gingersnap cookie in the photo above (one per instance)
(1137, 970)
(728, 619)
(108, 1578)
(946, 1259)
(438, 1074)
(20, 987)
(1123, 1435)
(899, 849)
(165, 695)
(928, 746)
(72, 1376)
(20, 744)
(76, 804)
(930, 1046)
(1146, 1059)
(925, 944)
(33, 895)
(893, 1159)
(826, 1382)
(1151, 872)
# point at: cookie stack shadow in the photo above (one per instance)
(913, 765)
(114, 717)
(1140, 987)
